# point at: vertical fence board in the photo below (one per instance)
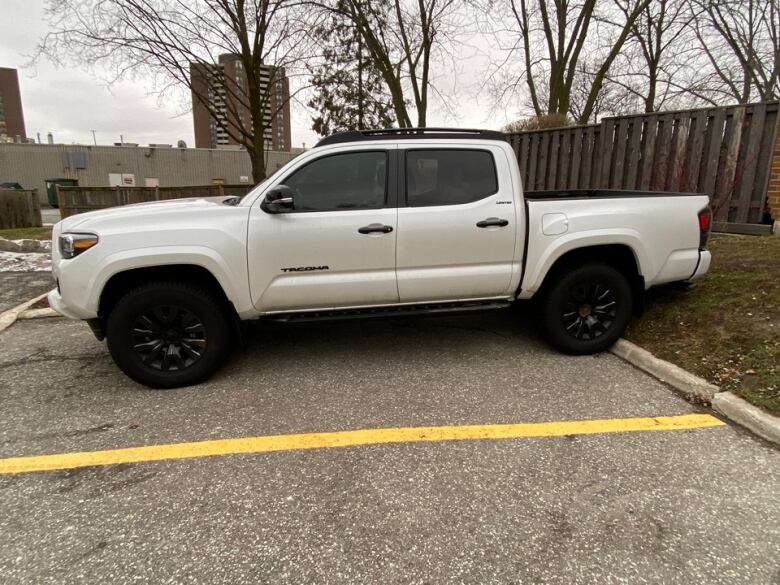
(578, 136)
(564, 160)
(662, 148)
(695, 151)
(632, 160)
(714, 142)
(724, 188)
(588, 146)
(621, 146)
(606, 153)
(552, 166)
(532, 162)
(748, 161)
(648, 152)
(678, 157)
(541, 171)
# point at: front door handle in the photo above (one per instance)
(376, 228)
(492, 222)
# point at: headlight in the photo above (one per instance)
(72, 245)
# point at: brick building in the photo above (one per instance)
(773, 189)
(223, 85)
(11, 114)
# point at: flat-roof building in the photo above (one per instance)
(220, 98)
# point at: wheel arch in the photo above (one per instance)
(621, 257)
(121, 282)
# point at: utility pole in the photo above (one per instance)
(94, 139)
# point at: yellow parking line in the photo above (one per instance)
(327, 440)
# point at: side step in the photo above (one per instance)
(399, 311)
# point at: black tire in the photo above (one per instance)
(169, 334)
(585, 309)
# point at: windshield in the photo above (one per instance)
(263, 184)
(254, 189)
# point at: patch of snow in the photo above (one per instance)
(25, 245)
(26, 261)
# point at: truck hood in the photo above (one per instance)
(136, 212)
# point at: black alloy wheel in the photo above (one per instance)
(585, 309)
(589, 310)
(170, 334)
(169, 338)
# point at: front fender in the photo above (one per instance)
(229, 278)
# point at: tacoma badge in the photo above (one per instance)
(305, 268)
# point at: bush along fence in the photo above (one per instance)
(73, 200)
(19, 209)
(725, 152)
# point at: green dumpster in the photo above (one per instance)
(51, 188)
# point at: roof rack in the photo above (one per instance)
(404, 133)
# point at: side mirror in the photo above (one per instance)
(278, 200)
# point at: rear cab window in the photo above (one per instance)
(444, 176)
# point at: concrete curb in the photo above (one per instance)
(751, 417)
(38, 313)
(699, 391)
(9, 317)
(692, 387)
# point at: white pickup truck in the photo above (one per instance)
(373, 223)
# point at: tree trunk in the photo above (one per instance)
(257, 158)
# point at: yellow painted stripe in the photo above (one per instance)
(272, 443)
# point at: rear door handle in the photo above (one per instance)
(375, 228)
(492, 222)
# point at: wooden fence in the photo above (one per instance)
(73, 200)
(19, 209)
(723, 152)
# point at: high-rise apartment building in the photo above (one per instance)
(11, 115)
(223, 86)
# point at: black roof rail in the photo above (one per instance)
(405, 133)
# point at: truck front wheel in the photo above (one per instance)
(585, 309)
(168, 334)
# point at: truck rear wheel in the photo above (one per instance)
(168, 334)
(586, 309)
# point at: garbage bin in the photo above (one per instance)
(51, 188)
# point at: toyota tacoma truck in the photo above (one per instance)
(370, 223)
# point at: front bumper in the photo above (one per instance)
(56, 303)
(705, 259)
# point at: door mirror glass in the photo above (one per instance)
(278, 200)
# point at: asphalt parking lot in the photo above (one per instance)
(699, 505)
(18, 287)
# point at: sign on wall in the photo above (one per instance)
(121, 179)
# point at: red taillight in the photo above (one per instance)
(705, 223)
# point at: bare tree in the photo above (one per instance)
(741, 41)
(554, 37)
(402, 38)
(168, 39)
(660, 64)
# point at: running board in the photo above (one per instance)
(397, 311)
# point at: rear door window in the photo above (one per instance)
(449, 176)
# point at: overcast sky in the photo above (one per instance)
(71, 103)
